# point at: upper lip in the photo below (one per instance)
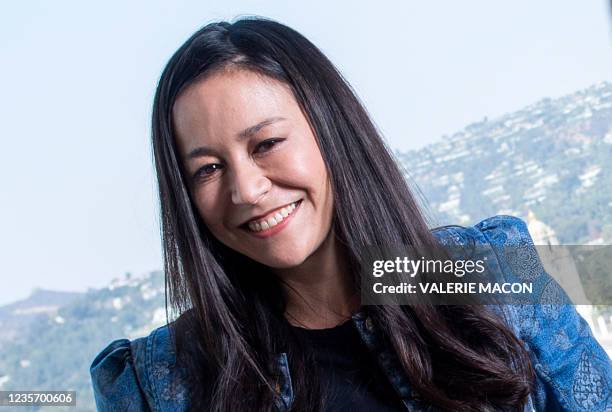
(266, 213)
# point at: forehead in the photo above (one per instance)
(228, 101)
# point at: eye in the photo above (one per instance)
(207, 171)
(267, 145)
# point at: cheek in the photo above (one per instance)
(303, 165)
(306, 169)
(210, 211)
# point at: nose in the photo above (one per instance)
(249, 184)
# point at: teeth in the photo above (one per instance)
(274, 220)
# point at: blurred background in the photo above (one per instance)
(490, 109)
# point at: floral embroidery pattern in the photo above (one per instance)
(590, 387)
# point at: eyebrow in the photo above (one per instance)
(246, 133)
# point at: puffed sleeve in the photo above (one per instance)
(573, 372)
(115, 384)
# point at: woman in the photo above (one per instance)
(273, 181)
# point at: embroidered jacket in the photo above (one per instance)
(573, 372)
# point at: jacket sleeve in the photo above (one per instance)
(573, 372)
(115, 384)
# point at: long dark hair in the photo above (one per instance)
(231, 324)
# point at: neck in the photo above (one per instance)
(320, 293)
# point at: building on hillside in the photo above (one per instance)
(541, 233)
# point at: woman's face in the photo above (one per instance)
(256, 174)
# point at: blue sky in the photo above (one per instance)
(77, 79)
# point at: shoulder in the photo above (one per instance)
(504, 241)
(138, 374)
(116, 384)
(505, 244)
(499, 230)
(491, 239)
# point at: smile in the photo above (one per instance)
(272, 219)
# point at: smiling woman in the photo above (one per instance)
(273, 181)
(250, 154)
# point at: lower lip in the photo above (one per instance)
(275, 229)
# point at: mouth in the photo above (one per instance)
(273, 222)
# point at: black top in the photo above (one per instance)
(352, 380)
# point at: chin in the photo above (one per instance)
(282, 262)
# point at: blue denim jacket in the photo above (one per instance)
(573, 372)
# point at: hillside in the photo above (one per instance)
(54, 352)
(553, 157)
